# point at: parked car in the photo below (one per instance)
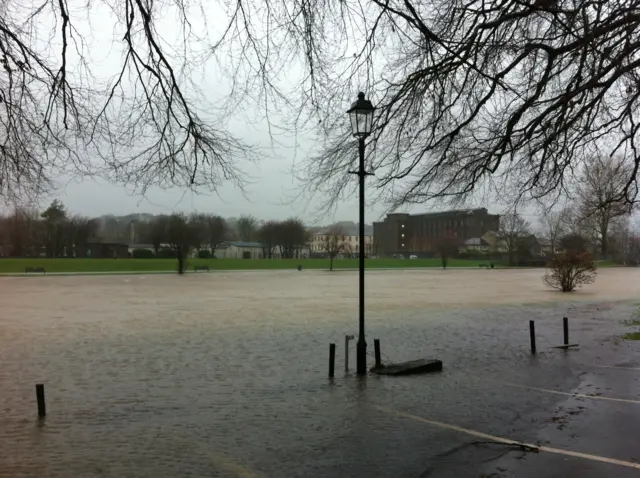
(413, 256)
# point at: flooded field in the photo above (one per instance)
(224, 374)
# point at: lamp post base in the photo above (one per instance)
(361, 355)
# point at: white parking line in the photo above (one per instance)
(569, 394)
(498, 439)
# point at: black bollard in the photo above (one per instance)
(565, 327)
(532, 336)
(332, 359)
(42, 407)
(376, 345)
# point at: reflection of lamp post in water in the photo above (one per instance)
(361, 115)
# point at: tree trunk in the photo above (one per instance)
(181, 261)
(604, 244)
(330, 262)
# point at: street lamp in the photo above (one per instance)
(361, 115)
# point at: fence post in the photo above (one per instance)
(532, 335)
(332, 359)
(42, 407)
(376, 344)
(346, 353)
(565, 327)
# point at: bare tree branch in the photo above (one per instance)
(500, 94)
(148, 125)
(505, 96)
(600, 204)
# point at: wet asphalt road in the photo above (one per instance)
(278, 416)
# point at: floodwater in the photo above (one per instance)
(224, 374)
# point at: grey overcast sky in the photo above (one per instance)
(269, 196)
(271, 191)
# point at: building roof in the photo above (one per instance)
(148, 246)
(246, 244)
(140, 246)
(454, 212)
(348, 230)
(476, 241)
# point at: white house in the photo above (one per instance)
(239, 250)
(350, 240)
(476, 244)
(250, 250)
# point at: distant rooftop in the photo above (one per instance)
(348, 230)
(247, 244)
(147, 246)
(454, 212)
(476, 241)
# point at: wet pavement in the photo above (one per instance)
(225, 375)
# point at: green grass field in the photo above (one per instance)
(150, 265)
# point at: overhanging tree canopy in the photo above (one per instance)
(130, 111)
(517, 90)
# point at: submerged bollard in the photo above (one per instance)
(376, 346)
(347, 338)
(42, 407)
(332, 359)
(346, 353)
(532, 336)
(565, 332)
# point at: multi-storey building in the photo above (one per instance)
(405, 234)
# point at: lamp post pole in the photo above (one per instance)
(362, 344)
(361, 116)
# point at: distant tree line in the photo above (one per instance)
(51, 233)
(594, 220)
(55, 233)
(206, 232)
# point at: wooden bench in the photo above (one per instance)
(201, 268)
(36, 270)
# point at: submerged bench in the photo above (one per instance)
(37, 270)
(201, 268)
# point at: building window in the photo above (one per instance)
(401, 235)
(401, 245)
(402, 226)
